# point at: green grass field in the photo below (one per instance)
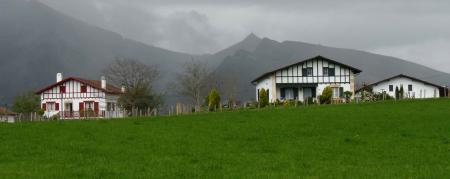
(407, 139)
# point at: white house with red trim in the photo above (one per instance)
(72, 98)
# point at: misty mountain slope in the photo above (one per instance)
(270, 55)
(37, 42)
(248, 44)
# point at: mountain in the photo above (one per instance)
(37, 41)
(269, 55)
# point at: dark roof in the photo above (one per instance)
(401, 75)
(110, 89)
(355, 70)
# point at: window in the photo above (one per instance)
(62, 89)
(331, 71)
(110, 106)
(51, 106)
(391, 88)
(89, 105)
(335, 92)
(83, 88)
(307, 71)
(325, 71)
(338, 92)
(410, 88)
(328, 71)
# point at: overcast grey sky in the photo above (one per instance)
(415, 30)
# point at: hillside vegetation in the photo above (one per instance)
(407, 139)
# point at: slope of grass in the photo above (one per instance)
(408, 139)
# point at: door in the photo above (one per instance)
(68, 110)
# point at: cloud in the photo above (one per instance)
(432, 53)
(205, 26)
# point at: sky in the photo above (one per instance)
(415, 30)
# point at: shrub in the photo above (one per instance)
(348, 95)
(263, 98)
(213, 100)
(325, 98)
(397, 95)
(402, 92)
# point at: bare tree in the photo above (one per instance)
(138, 80)
(130, 73)
(228, 87)
(193, 82)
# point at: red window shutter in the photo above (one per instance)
(96, 106)
(62, 89)
(81, 106)
(44, 107)
(83, 89)
(56, 106)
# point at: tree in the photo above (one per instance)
(348, 95)
(193, 82)
(325, 98)
(213, 100)
(228, 87)
(397, 95)
(138, 80)
(263, 98)
(26, 103)
(402, 92)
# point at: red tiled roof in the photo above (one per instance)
(110, 89)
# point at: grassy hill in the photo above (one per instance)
(408, 139)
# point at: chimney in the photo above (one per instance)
(103, 82)
(59, 77)
(123, 89)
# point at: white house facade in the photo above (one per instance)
(73, 97)
(307, 79)
(412, 87)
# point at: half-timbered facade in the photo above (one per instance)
(80, 98)
(307, 79)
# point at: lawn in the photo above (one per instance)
(407, 139)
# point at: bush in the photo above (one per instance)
(397, 93)
(213, 100)
(263, 98)
(325, 98)
(348, 95)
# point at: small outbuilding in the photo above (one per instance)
(7, 116)
(412, 87)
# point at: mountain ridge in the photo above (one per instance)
(37, 41)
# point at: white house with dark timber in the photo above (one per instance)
(73, 97)
(307, 79)
(412, 87)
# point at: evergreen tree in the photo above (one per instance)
(263, 98)
(397, 96)
(325, 98)
(402, 92)
(213, 100)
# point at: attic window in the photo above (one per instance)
(83, 88)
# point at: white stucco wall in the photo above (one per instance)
(265, 83)
(420, 90)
